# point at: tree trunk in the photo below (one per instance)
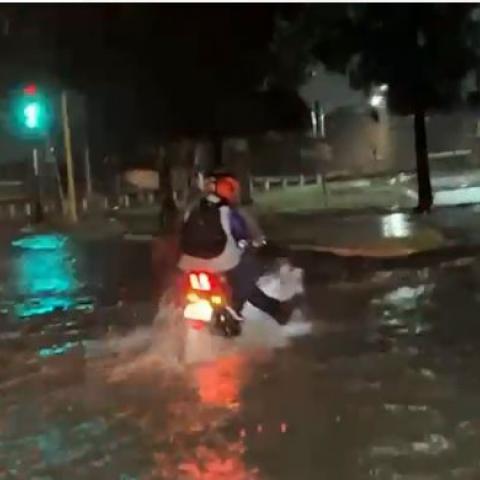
(425, 197)
(168, 209)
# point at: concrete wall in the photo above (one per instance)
(357, 144)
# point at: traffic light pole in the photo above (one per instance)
(72, 200)
(88, 171)
(38, 214)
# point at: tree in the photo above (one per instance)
(421, 51)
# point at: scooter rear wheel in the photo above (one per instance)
(225, 324)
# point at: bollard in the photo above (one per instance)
(267, 185)
(28, 209)
(127, 201)
(12, 210)
(151, 198)
(302, 180)
(105, 203)
(84, 204)
(284, 182)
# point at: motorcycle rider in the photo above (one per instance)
(214, 233)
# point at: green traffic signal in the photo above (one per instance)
(31, 112)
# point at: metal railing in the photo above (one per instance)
(266, 183)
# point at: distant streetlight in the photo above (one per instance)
(378, 96)
(376, 100)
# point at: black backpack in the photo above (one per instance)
(202, 235)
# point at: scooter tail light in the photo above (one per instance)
(200, 281)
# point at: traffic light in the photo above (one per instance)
(31, 112)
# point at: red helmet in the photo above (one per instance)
(228, 188)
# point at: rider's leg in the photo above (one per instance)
(242, 279)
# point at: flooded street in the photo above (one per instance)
(386, 387)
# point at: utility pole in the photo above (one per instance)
(72, 201)
(318, 119)
(322, 122)
(88, 171)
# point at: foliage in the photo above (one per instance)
(421, 51)
(418, 50)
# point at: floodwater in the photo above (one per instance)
(386, 387)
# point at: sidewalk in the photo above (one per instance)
(379, 235)
(369, 231)
(368, 234)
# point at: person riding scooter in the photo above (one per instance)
(212, 237)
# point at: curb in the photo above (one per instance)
(429, 258)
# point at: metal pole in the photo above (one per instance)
(35, 162)
(38, 214)
(72, 201)
(322, 122)
(315, 119)
(88, 172)
(58, 179)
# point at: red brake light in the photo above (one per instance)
(206, 285)
(200, 281)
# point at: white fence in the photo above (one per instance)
(267, 183)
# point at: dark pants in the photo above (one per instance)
(242, 279)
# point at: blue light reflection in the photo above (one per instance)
(45, 278)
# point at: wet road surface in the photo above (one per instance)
(387, 387)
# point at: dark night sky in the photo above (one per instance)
(150, 68)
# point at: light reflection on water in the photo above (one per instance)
(44, 276)
(396, 225)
